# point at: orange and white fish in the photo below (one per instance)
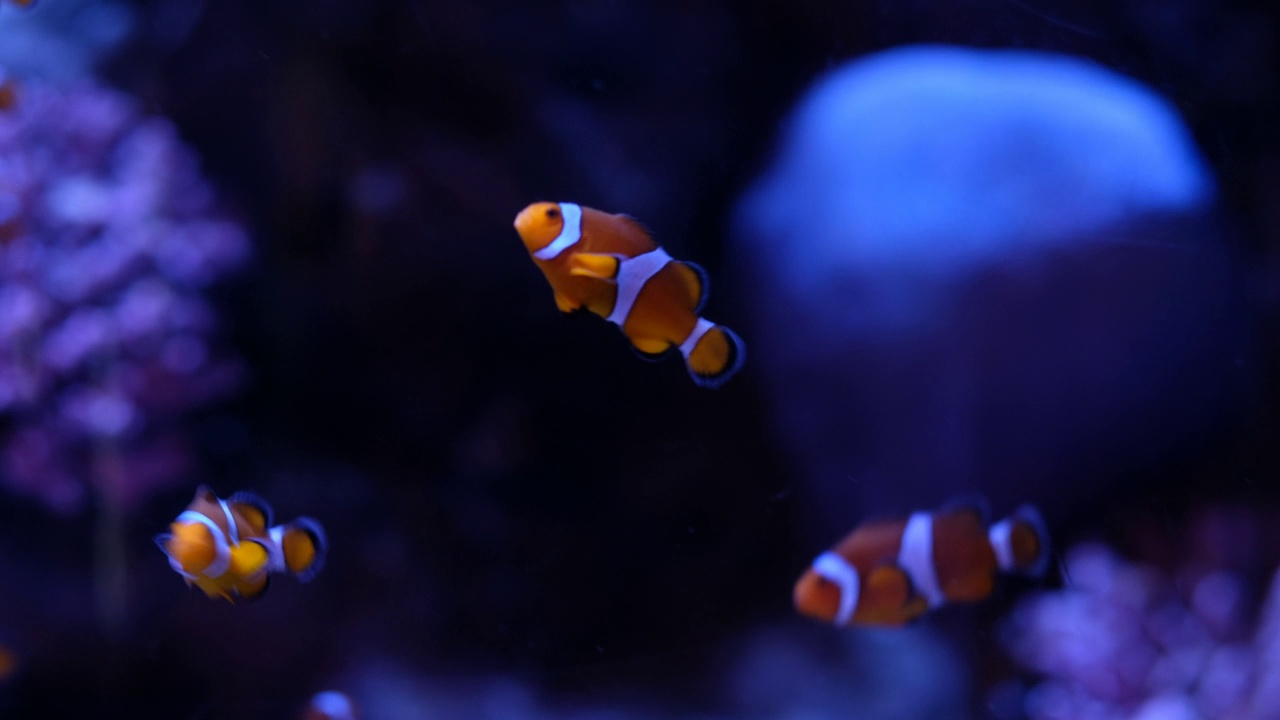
(228, 548)
(331, 705)
(889, 572)
(610, 265)
(21, 3)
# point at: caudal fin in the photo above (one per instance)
(713, 354)
(304, 546)
(1021, 542)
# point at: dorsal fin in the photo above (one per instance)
(635, 224)
(205, 494)
(970, 502)
(255, 510)
(696, 282)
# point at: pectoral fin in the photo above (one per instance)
(248, 558)
(890, 598)
(888, 586)
(594, 265)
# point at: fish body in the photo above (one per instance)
(889, 572)
(229, 549)
(610, 266)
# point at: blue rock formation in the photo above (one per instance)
(986, 270)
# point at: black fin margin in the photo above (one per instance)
(651, 357)
(970, 501)
(704, 284)
(737, 358)
(319, 539)
(254, 500)
(1030, 514)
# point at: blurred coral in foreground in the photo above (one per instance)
(108, 238)
(798, 671)
(1128, 641)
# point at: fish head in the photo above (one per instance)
(190, 547)
(539, 224)
(829, 589)
(817, 597)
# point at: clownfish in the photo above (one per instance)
(330, 705)
(889, 572)
(610, 265)
(228, 548)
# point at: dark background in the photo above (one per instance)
(507, 489)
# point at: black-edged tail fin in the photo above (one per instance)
(1021, 542)
(304, 546)
(714, 357)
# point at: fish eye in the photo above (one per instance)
(552, 213)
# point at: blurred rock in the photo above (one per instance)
(991, 270)
(61, 41)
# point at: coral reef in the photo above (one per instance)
(110, 241)
(1126, 640)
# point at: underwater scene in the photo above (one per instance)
(603, 360)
